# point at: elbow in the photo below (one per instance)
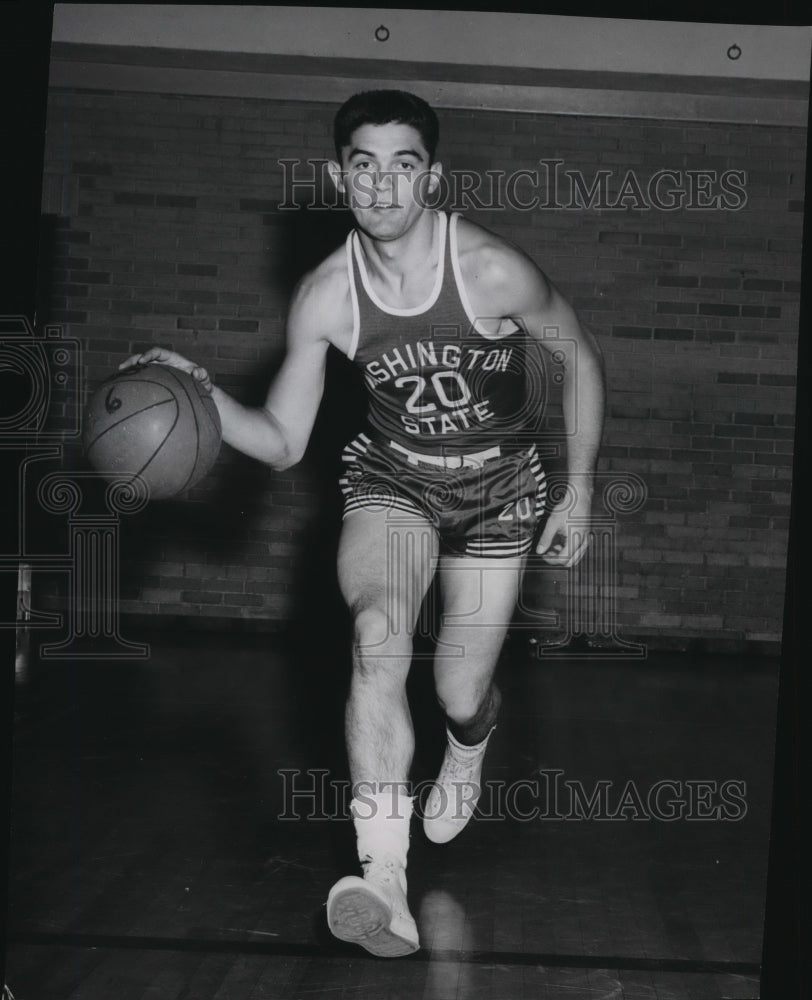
(285, 459)
(281, 448)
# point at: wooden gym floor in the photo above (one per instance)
(149, 860)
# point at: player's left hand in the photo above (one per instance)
(557, 545)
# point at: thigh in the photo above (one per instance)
(386, 561)
(479, 598)
(480, 593)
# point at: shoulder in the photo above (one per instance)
(497, 271)
(321, 306)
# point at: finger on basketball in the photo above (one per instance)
(131, 362)
(143, 358)
(154, 424)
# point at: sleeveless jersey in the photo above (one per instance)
(435, 380)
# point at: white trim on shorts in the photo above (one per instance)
(501, 550)
(541, 481)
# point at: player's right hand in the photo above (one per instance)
(163, 356)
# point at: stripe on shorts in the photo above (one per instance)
(358, 446)
(361, 500)
(377, 503)
(541, 482)
(485, 549)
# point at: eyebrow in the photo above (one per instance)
(398, 152)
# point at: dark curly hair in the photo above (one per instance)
(379, 107)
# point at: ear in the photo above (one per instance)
(435, 173)
(337, 176)
(428, 183)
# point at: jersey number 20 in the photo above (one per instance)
(438, 380)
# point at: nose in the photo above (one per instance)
(382, 179)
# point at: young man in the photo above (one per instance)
(437, 312)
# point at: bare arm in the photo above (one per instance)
(508, 283)
(277, 432)
(584, 405)
(584, 393)
(295, 394)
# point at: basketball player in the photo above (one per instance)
(436, 311)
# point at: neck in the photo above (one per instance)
(407, 255)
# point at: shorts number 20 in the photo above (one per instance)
(522, 509)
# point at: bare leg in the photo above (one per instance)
(479, 599)
(385, 563)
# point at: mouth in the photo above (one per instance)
(377, 207)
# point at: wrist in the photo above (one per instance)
(582, 486)
(582, 480)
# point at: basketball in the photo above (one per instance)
(155, 422)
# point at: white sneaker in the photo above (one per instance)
(372, 911)
(454, 795)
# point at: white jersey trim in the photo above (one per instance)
(356, 313)
(438, 284)
(463, 294)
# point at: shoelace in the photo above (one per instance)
(456, 766)
(384, 873)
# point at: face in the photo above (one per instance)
(386, 176)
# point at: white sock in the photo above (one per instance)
(465, 752)
(382, 825)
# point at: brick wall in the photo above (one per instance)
(166, 229)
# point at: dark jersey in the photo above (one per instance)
(436, 380)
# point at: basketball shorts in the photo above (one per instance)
(482, 505)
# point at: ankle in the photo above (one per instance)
(478, 728)
(467, 751)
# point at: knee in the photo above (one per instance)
(376, 633)
(469, 706)
(460, 708)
